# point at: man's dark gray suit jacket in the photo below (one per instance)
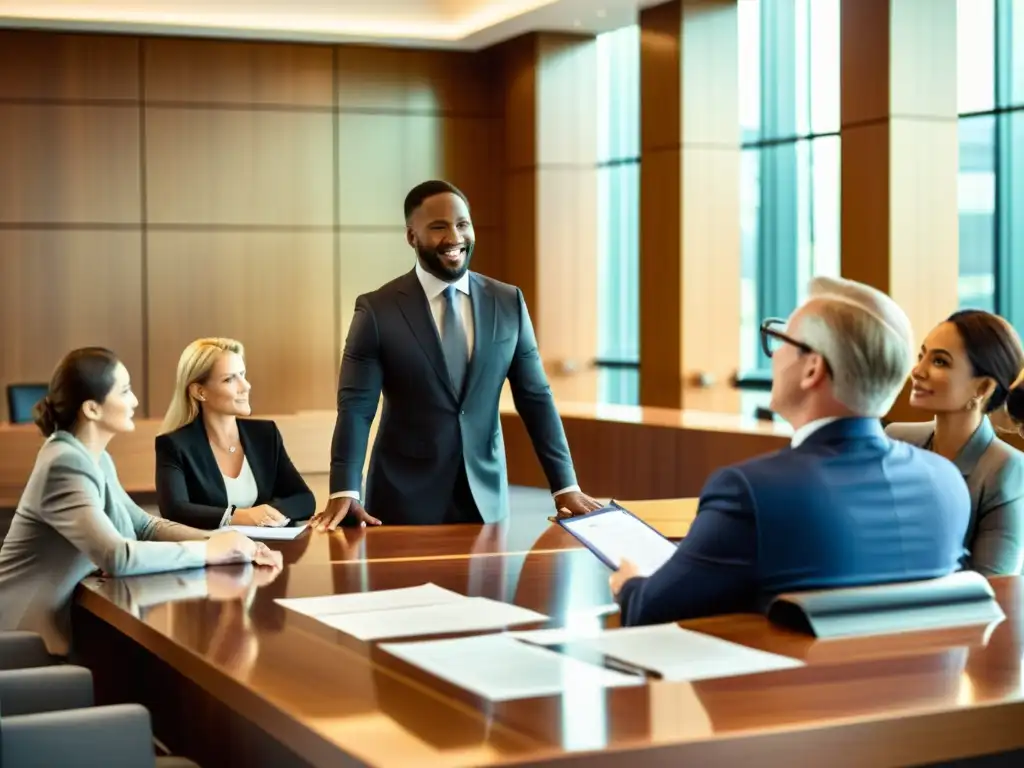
(427, 429)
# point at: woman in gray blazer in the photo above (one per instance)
(969, 375)
(74, 517)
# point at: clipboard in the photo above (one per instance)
(568, 524)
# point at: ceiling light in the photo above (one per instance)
(278, 18)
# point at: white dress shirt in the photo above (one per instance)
(241, 490)
(434, 288)
(809, 429)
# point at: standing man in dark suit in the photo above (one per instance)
(844, 506)
(439, 341)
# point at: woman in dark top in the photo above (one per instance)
(213, 467)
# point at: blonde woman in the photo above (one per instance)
(216, 467)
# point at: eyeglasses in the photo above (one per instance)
(772, 338)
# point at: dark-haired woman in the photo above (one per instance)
(75, 517)
(967, 370)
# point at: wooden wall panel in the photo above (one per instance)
(567, 212)
(566, 93)
(242, 73)
(519, 88)
(567, 200)
(368, 260)
(549, 84)
(69, 164)
(206, 166)
(382, 156)
(259, 186)
(900, 157)
(472, 152)
(372, 181)
(519, 241)
(458, 149)
(488, 257)
(375, 79)
(61, 290)
(689, 203)
(46, 66)
(271, 291)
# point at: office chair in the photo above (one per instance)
(49, 716)
(23, 650)
(21, 399)
(49, 719)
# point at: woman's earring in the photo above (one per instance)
(972, 404)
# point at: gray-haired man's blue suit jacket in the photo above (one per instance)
(847, 507)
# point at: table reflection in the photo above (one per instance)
(520, 532)
(993, 671)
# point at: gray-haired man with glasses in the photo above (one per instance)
(844, 505)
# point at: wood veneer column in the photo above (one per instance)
(900, 155)
(550, 225)
(689, 204)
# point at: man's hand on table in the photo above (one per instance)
(574, 503)
(338, 509)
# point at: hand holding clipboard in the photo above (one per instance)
(613, 533)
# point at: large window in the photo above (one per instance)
(789, 184)
(990, 100)
(618, 82)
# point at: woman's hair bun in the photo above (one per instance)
(1015, 403)
(45, 416)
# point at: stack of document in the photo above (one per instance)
(668, 650)
(499, 668)
(267, 533)
(423, 610)
(522, 664)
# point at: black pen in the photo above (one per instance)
(629, 669)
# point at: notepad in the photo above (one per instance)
(268, 533)
(379, 600)
(498, 668)
(668, 650)
(614, 534)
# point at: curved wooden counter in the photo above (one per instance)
(619, 451)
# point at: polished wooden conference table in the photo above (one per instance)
(232, 678)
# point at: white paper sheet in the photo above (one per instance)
(380, 600)
(498, 668)
(267, 533)
(618, 535)
(555, 636)
(470, 614)
(668, 649)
